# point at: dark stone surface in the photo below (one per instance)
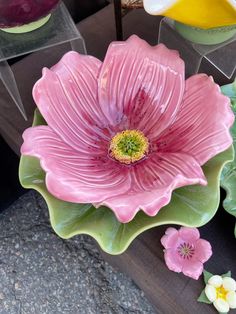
(43, 274)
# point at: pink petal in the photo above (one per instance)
(173, 261)
(66, 96)
(203, 250)
(74, 175)
(139, 84)
(127, 205)
(192, 268)
(153, 181)
(189, 235)
(202, 125)
(170, 238)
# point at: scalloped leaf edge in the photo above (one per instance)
(38, 119)
(226, 180)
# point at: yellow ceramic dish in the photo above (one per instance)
(199, 13)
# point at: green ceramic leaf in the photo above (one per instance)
(230, 91)
(228, 274)
(190, 206)
(203, 298)
(228, 176)
(207, 276)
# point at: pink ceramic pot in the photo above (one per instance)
(15, 13)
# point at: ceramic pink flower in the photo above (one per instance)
(126, 132)
(185, 252)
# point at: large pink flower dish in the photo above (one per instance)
(126, 132)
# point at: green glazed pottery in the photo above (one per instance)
(191, 206)
(211, 36)
(228, 177)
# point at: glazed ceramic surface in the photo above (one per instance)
(185, 251)
(228, 177)
(126, 133)
(209, 278)
(19, 12)
(202, 13)
(191, 206)
(211, 36)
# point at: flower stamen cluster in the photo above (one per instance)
(186, 250)
(129, 146)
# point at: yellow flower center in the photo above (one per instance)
(221, 293)
(129, 146)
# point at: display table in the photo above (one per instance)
(60, 29)
(170, 292)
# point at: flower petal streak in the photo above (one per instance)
(170, 239)
(173, 261)
(72, 176)
(152, 184)
(203, 250)
(192, 269)
(66, 96)
(202, 124)
(189, 235)
(139, 84)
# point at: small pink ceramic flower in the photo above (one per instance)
(126, 132)
(185, 252)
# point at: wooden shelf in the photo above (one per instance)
(170, 292)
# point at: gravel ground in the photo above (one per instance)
(43, 274)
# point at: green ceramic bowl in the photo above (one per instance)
(210, 36)
(191, 206)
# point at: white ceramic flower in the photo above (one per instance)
(222, 292)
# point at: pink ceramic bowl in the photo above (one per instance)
(20, 12)
(127, 132)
